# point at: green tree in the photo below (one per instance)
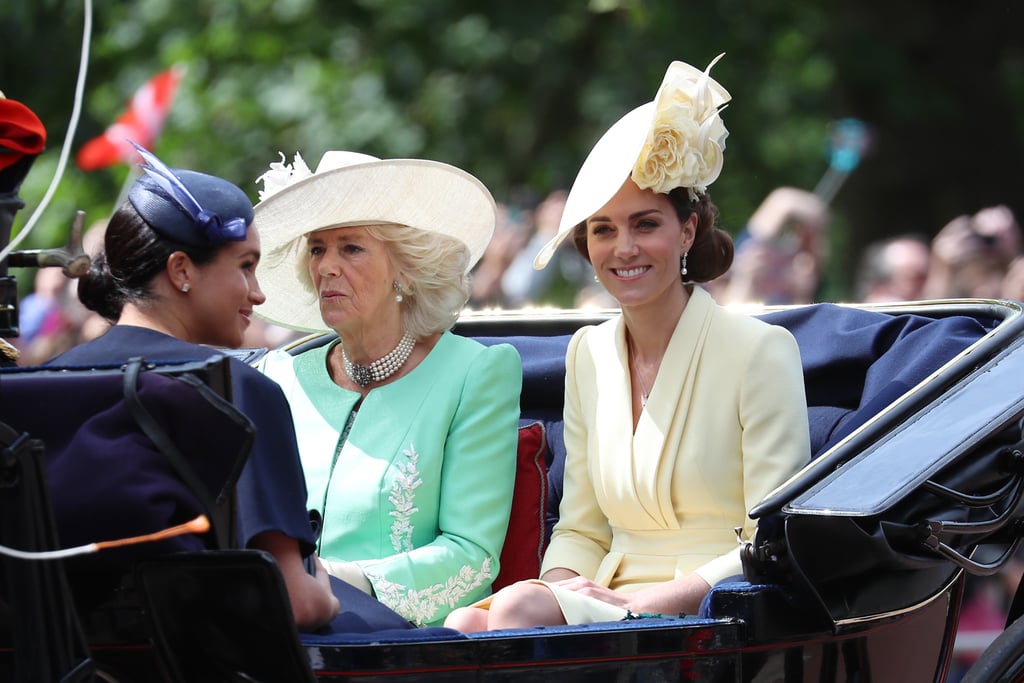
(518, 92)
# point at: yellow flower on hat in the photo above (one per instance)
(687, 136)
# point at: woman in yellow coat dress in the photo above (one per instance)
(679, 415)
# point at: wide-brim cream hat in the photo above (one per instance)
(676, 140)
(350, 189)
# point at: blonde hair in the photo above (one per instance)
(432, 272)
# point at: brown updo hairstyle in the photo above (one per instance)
(710, 254)
(133, 255)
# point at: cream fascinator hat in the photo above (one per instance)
(675, 141)
(349, 189)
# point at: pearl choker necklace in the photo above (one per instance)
(382, 368)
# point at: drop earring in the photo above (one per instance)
(682, 265)
(398, 288)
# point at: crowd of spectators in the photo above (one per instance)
(782, 257)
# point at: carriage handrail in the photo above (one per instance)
(973, 566)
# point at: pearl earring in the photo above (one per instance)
(682, 265)
(398, 288)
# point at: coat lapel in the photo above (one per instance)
(613, 413)
(659, 430)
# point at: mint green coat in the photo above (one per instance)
(419, 491)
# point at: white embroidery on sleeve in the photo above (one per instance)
(403, 497)
(421, 606)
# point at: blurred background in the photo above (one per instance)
(517, 92)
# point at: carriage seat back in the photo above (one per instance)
(130, 450)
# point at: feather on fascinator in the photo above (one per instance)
(192, 208)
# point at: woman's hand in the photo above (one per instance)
(587, 587)
(323, 578)
(313, 602)
(679, 596)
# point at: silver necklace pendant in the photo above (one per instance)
(360, 374)
(382, 368)
(644, 393)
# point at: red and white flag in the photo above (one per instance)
(141, 123)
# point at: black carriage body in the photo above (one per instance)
(856, 572)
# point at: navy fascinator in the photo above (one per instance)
(188, 207)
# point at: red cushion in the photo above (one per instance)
(524, 542)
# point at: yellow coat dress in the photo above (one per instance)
(725, 424)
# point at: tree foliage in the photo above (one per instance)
(517, 93)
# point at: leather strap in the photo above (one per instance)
(152, 429)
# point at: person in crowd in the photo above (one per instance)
(407, 432)
(679, 414)
(177, 277)
(521, 283)
(41, 310)
(893, 269)
(1013, 283)
(782, 255)
(52, 317)
(970, 255)
(487, 288)
(505, 276)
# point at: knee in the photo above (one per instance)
(524, 604)
(467, 619)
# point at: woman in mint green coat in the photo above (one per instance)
(407, 432)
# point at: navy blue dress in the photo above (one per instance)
(271, 489)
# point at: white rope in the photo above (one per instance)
(83, 68)
(197, 525)
(49, 554)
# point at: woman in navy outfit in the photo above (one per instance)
(177, 277)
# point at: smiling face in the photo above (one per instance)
(223, 293)
(635, 243)
(352, 273)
